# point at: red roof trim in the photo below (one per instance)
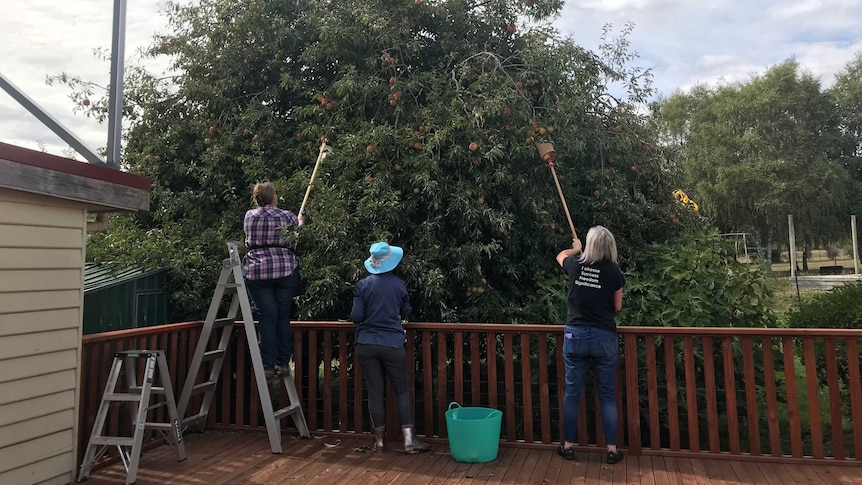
(33, 158)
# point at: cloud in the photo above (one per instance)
(683, 42)
(691, 42)
(51, 37)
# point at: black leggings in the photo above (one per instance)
(379, 362)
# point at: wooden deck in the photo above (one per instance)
(217, 457)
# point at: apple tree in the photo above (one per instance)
(433, 109)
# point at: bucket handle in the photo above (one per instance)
(453, 403)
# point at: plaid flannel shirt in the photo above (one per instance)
(269, 257)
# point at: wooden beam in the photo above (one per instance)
(98, 194)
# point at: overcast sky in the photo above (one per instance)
(684, 42)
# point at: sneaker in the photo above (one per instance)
(614, 457)
(270, 374)
(567, 453)
(282, 370)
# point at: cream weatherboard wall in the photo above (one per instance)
(42, 243)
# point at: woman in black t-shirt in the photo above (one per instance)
(590, 338)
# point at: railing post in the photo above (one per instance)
(632, 402)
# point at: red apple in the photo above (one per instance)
(245, 131)
(596, 192)
(634, 168)
(86, 102)
(512, 28)
(369, 149)
(212, 129)
(392, 80)
(506, 111)
(473, 146)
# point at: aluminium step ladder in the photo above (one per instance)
(129, 447)
(231, 282)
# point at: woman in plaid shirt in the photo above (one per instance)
(271, 272)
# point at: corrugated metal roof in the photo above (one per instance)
(98, 277)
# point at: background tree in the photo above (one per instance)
(847, 91)
(751, 153)
(433, 109)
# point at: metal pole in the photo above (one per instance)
(855, 245)
(792, 245)
(115, 87)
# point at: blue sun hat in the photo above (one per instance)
(383, 258)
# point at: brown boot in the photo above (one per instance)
(412, 445)
(379, 434)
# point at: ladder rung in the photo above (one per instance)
(203, 387)
(122, 396)
(191, 419)
(287, 411)
(160, 426)
(156, 405)
(112, 440)
(153, 389)
(212, 355)
(223, 322)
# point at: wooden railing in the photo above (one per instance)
(791, 395)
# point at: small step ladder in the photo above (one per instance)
(231, 282)
(130, 446)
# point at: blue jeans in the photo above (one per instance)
(584, 347)
(274, 302)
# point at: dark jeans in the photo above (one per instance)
(585, 347)
(274, 302)
(378, 362)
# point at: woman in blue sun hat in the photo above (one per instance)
(380, 305)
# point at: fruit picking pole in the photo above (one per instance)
(563, 199)
(324, 151)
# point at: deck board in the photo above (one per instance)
(217, 457)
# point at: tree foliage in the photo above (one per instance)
(433, 109)
(753, 152)
(696, 281)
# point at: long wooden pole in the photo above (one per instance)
(563, 199)
(324, 150)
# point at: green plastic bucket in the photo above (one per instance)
(474, 433)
